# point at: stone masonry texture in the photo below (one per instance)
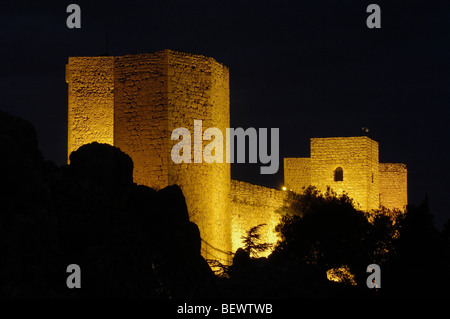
(369, 183)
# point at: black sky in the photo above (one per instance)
(311, 68)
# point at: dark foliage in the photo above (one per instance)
(327, 231)
(323, 231)
(422, 259)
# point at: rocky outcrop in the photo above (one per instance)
(129, 240)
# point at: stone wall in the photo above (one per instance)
(297, 174)
(141, 115)
(252, 205)
(91, 101)
(393, 185)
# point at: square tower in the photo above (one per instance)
(134, 102)
(345, 164)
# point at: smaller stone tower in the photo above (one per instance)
(351, 165)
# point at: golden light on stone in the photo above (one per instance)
(364, 179)
(342, 275)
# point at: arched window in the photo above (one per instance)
(338, 174)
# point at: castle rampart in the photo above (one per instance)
(252, 205)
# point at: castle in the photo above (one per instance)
(134, 102)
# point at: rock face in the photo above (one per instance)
(129, 240)
(104, 165)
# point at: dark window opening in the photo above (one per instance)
(338, 174)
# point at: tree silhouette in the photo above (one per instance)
(252, 242)
(327, 231)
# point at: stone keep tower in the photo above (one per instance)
(134, 102)
(349, 164)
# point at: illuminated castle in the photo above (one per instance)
(134, 102)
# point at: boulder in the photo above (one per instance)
(104, 164)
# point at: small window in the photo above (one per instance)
(338, 174)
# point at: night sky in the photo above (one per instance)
(311, 68)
